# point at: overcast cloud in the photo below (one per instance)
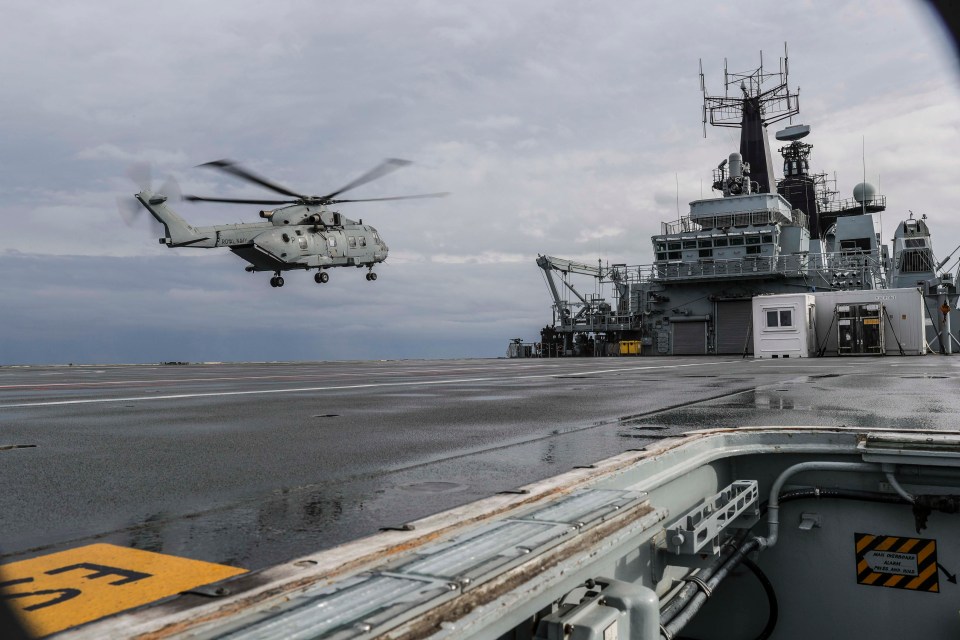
(558, 127)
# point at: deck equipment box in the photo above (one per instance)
(784, 326)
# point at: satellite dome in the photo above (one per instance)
(864, 193)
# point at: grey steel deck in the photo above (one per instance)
(253, 464)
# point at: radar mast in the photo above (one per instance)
(752, 107)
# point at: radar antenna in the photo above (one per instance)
(751, 107)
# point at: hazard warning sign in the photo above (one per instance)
(897, 562)
(62, 590)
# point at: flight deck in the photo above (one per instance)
(250, 465)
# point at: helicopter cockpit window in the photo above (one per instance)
(363, 241)
(353, 242)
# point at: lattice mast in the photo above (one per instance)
(752, 107)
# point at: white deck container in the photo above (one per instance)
(784, 326)
(902, 314)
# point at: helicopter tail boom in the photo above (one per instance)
(179, 233)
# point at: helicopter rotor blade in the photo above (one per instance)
(387, 166)
(231, 167)
(141, 174)
(236, 200)
(417, 196)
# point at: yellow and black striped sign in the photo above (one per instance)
(897, 562)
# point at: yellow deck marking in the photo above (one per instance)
(62, 590)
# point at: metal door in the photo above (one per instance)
(734, 327)
(689, 338)
(860, 329)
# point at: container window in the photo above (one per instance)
(779, 318)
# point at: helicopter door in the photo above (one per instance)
(333, 245)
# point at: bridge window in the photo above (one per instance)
(704, 244)
(736, 242)
(689, 244)
(856, 245)
(767, 238)
(753, 250)
(753, 239)
(673, 246)
(720, 242)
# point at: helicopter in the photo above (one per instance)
(304, 235)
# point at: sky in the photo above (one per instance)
(563, 128)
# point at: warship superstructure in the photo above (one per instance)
(759, 236)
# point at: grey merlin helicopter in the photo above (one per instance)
(305, 235)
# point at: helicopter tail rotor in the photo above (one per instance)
(131, 212)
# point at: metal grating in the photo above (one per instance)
(351, 609)
(488, 550)
(371, 604)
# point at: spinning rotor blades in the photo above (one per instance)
(229, 166)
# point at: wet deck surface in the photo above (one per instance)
(255, 464)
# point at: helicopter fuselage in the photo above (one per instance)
(305, 234)
(294, 237)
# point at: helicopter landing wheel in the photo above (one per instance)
(279, 281)
(371, 276)
(276, 281)
(321, 277)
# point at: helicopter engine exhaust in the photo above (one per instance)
(267, 214)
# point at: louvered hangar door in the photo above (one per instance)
(733, 327)
(689, 338)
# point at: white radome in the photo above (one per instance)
(864, 192)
